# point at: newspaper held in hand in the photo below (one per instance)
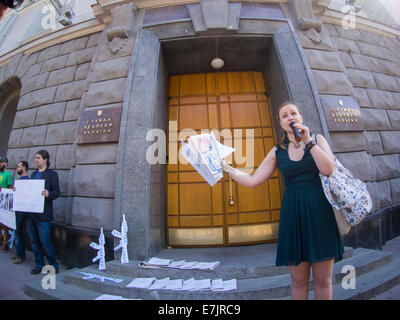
(205, 153)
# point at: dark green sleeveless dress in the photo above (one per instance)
(307, 228)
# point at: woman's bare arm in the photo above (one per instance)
(263, 172)
(323, 156)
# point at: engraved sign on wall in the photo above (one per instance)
(99, 125)
(342, 113)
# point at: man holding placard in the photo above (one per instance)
(39, 223)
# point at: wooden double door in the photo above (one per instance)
(234, 106)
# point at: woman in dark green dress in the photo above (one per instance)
(308, 234)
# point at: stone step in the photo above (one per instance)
(236, 270)
(62, 291)
(249, 287)
(371, 283)
(363, 260)
(268, 287)
(376, 272)
(248, 267)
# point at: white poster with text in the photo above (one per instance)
(28, 196)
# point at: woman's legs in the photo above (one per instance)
(300, 275)
(322, 275)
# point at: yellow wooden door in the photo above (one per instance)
(233, 106)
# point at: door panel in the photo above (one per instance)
(227, 213)
(244, 115)
(187, 120)
(194, 199)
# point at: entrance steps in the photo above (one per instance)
(252, 266)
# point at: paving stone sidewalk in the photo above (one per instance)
(13, 276)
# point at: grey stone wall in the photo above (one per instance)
(52, 82)
(58, 83)
(92, 178)
(367, 67)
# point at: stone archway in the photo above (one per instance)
(140, 187)
(9, 96)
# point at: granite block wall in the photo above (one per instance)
(57, 84)
(366, 67)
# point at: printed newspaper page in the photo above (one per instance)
(204, 153)
(7, 215)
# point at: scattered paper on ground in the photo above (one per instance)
(182, 264)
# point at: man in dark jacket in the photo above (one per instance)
(20, 217)
(39, 224)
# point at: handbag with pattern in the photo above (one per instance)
(352, 197)
(347, 194)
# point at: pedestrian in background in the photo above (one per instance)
(22, 171)
(6, 181)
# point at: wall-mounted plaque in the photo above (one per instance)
(342, 113)
(99, 125)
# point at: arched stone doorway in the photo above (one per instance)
(140, 188)
(9, 96)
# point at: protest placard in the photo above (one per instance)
(28, 196)
(7, 215)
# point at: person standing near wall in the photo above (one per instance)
(308, 234)
(22, 171)
(39, 224)
(6, 181)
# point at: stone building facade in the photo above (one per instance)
(123, 58)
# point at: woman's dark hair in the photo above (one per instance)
(284, 140)
(45, 155)
(25, 165)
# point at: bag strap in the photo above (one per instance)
(314, 138)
